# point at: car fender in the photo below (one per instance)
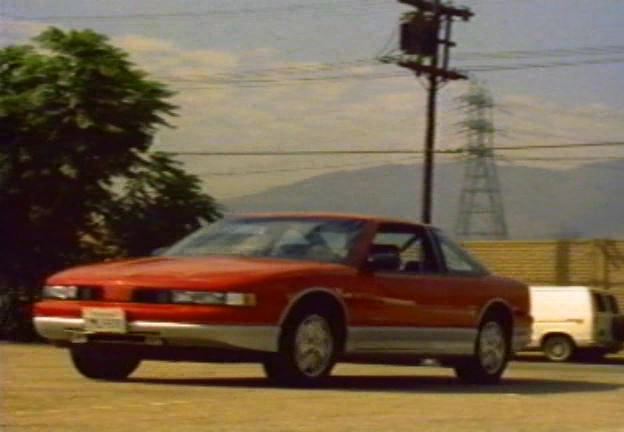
(294, 300)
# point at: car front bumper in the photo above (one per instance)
(255, 338)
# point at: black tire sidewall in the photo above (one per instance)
(103, 364)
(471, 370)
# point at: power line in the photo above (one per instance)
(212, 12)
(331, 66)
(549, 53)
(456, 151)
(270, 73)
(266, 82)
(371, 164)
(290, 170)
(560, 146)
(565, 159)
(525, 66)
(300, 153)
(593, 166)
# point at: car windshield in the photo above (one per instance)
(298, 239)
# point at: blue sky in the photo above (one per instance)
(368, 105)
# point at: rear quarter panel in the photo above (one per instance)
(515, 295)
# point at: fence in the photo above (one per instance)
(598, 263)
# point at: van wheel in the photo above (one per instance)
(558, 348)
(307, 350)
(491, 355)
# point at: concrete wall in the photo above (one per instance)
(598, 263)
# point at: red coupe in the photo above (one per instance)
(295, 292)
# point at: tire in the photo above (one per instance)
(558, 348)
(308, 349)
(491, 355)
(103, 364)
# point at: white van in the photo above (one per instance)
(575, 321)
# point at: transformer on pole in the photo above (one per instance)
(423, 32)
(481, 212)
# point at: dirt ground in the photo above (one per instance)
(40, 391)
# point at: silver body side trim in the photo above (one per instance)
(406, 340)
(425, 341)
(258, 338)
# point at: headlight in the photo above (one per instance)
(60, 292)
(213, 298)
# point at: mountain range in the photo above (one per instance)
(581, 202)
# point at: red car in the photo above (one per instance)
(295, 292)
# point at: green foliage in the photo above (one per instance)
(161, 203)
(75, 117)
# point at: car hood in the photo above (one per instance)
(170, 271)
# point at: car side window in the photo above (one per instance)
(412, 246)
(456, 259)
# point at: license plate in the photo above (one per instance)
(104, 320)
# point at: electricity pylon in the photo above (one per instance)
(481, 213)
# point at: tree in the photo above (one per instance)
(75, 116)
(161, 203)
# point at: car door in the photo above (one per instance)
(464, 281)
(410, 308)
(603, 318)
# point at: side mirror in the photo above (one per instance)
(383, 261)
(159, 251)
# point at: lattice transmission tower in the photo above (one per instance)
(481, 213)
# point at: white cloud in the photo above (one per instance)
(350, 114)
(19, 31)
(254, 100)
(141, 45)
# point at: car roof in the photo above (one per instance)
(323, 215)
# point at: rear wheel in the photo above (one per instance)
(491, 355)
(307, 350)
(558, 348)
(103, 364)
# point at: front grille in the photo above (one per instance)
(154, 296)
(86, 292)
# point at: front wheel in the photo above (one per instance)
(103, 364)
(307, 351)
(491, 355)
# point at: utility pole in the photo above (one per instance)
(481, 212)
(420, 46)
